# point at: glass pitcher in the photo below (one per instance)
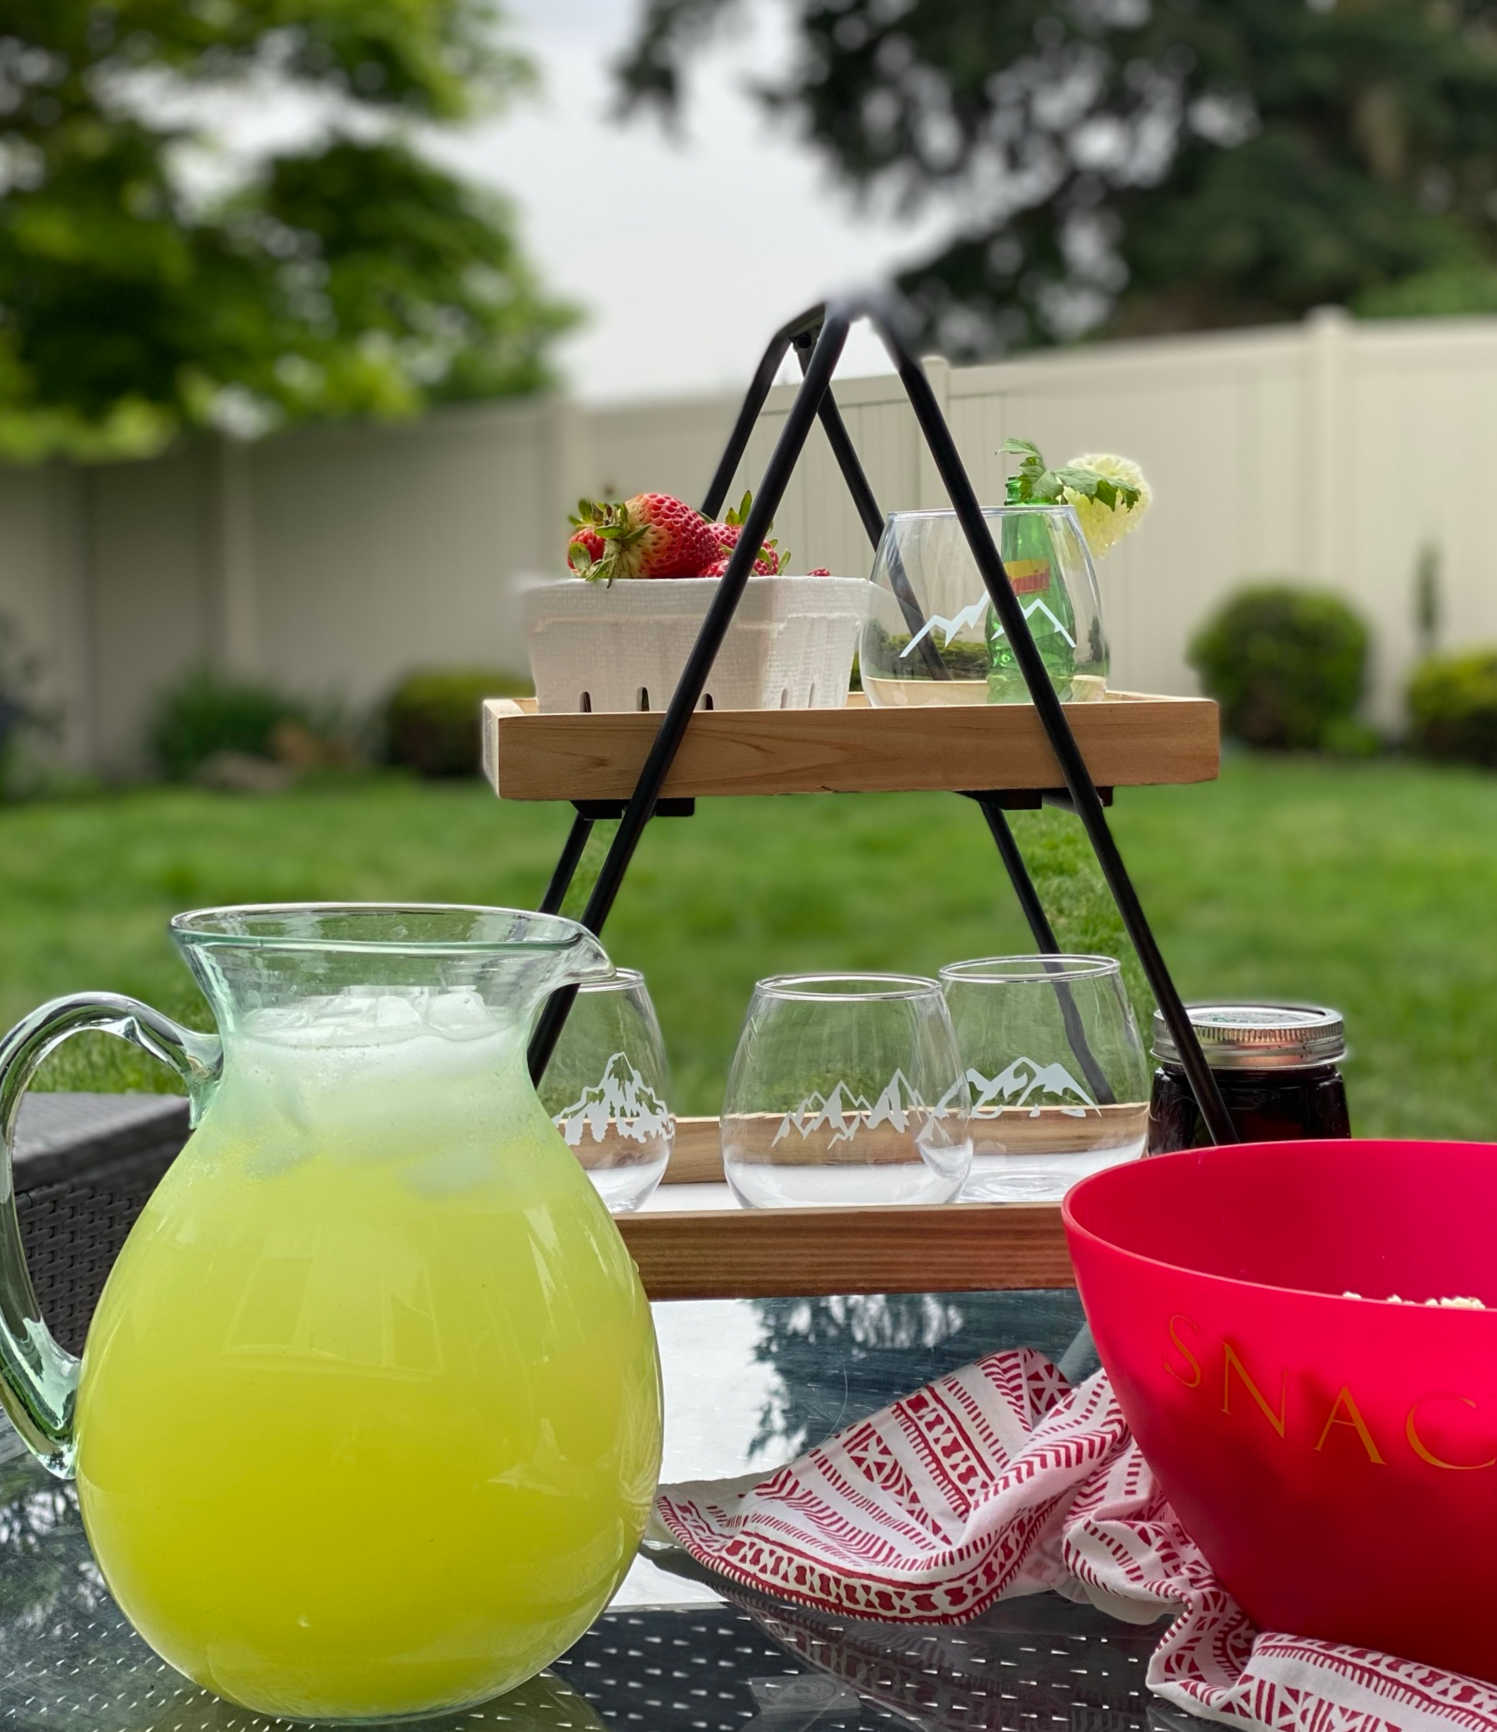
(367, 1423)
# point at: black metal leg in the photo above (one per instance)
(1057, 729)
(566, 867)
(1044, 937)
(684, 699)
(866, 504)
(762, 383)
(848, 461)
(1028, 897)
(872, 518)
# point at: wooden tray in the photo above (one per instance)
(1128, 739)
(737, 1253)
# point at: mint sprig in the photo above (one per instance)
(1033, 484)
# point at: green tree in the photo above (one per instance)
(347, 276)
(1141, 166)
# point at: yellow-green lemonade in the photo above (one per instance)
(369, 1418)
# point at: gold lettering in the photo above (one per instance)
(1354, 1419)
(1194, 1380)
(1422, 1449)
(1233, 1362)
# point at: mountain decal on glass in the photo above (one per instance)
(1027, 1084)
(1056, 625)
(974, 614)
(844, 1113)
(620, 1101)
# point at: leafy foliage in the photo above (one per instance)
(1453, 706)
(1285, 664)
(432, 718)
(346, 276)
(207, 712)
(1149, 166)
(1033, 484)
(20, 712)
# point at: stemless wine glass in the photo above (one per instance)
(932, 637)
(607, 1088)
(1060, 1085)
(846, 1089)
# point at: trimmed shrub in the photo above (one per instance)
(1285, 664)
(20, 715)
(1452, 703)
(1350, 737)
(432, 718)
(209, 712)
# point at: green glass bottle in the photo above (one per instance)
(1033, 570)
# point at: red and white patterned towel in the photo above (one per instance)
(999, 1480)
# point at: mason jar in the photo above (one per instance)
(1278, 1068)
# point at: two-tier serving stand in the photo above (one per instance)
(633, 767)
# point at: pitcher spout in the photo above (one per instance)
(586, 963)
(545, 955)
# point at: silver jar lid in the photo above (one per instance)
(1259, 1036)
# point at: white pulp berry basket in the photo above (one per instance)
(790, 645)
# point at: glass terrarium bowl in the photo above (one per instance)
(932, 636)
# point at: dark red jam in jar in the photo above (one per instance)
(1276, 1064)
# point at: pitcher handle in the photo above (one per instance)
(38, 1377)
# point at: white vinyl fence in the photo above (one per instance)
(333, 559)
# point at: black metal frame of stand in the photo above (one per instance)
(818, 337)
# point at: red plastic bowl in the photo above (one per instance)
(1334, 1458)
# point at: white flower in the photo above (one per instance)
(1106, 525)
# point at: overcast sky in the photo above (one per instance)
(686, 255)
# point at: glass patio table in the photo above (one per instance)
(748, 1383)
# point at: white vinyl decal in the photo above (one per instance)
(622, 1100)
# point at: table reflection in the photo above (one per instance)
(748, 1384)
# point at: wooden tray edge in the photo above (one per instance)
(529, 756)
(765, 1253)
(768, 1253)
(506, 709)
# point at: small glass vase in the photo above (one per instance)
(607, 1089)
(932, 635)
(1060, 1085)
(846, 1089)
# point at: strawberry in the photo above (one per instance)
(652, 535)
(819, 571)
(586, 546)
(766, 565)
(585, 549)
(728, 532)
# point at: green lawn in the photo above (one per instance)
(1370, 886)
